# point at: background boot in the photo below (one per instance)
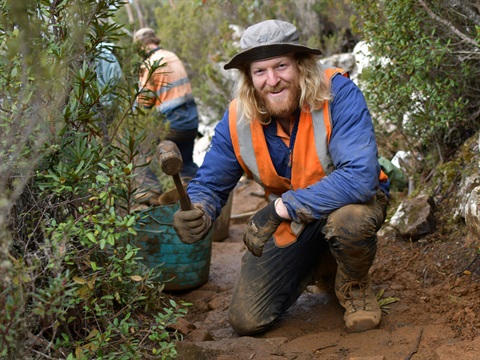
(362, 311)
(325, 273)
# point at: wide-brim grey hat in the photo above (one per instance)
(268, 39)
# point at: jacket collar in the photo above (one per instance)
(147, 55)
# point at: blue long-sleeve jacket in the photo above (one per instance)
(352, 148)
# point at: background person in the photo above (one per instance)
(174, 99)
(109, 74)
(306, 136)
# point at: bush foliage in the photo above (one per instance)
(72, 284)
(423, 80)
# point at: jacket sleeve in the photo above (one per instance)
(218, 174)
(354, 154)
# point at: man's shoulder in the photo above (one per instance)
(167, 55)
(340, 79)
(341, 83)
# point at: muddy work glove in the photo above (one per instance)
(260, 228)
(191, 225)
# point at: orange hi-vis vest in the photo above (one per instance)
(310, 161)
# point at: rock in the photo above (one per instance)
(414, 217)
(472, 212)
(403, 160)
(219, 303)
(190, 351)
(344, 61)
(201, 298)
(240, 348)
(470, 176)
(461, 291)
(397, 287)
(216, 319)
(224, 333)
(361, 53)
(465, 351)
(199, 335)
(466, 187)
(182, 326)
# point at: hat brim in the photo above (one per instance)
(266, 52)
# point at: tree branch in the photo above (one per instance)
(466, 10)
(448, 24)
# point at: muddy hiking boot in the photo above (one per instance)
(362, 311)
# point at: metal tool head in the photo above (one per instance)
(169, 157)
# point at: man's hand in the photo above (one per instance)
(191, 225)
(260, 228)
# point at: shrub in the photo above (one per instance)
(423, 75)
(72, 286)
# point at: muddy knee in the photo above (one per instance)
(245, 323)
(351, 233)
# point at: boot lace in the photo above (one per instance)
(356, 295)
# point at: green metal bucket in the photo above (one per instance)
(182, 266)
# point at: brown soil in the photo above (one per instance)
(436, 316)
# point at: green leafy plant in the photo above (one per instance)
(420, 79)
(384, 302)
(73, 285)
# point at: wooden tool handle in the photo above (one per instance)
(185, 202)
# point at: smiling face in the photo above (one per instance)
(276, 85)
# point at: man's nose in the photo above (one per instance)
(272, 78)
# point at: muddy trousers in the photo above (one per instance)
(270, 284)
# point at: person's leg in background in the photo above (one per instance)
(185, 140)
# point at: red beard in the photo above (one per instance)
(281, 106)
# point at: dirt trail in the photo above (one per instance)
(436, 316)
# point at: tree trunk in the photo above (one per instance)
(141, 20)
(128, 8)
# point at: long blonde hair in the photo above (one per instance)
(314, 85)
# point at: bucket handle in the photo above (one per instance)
(143, 221)
(151, 231)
